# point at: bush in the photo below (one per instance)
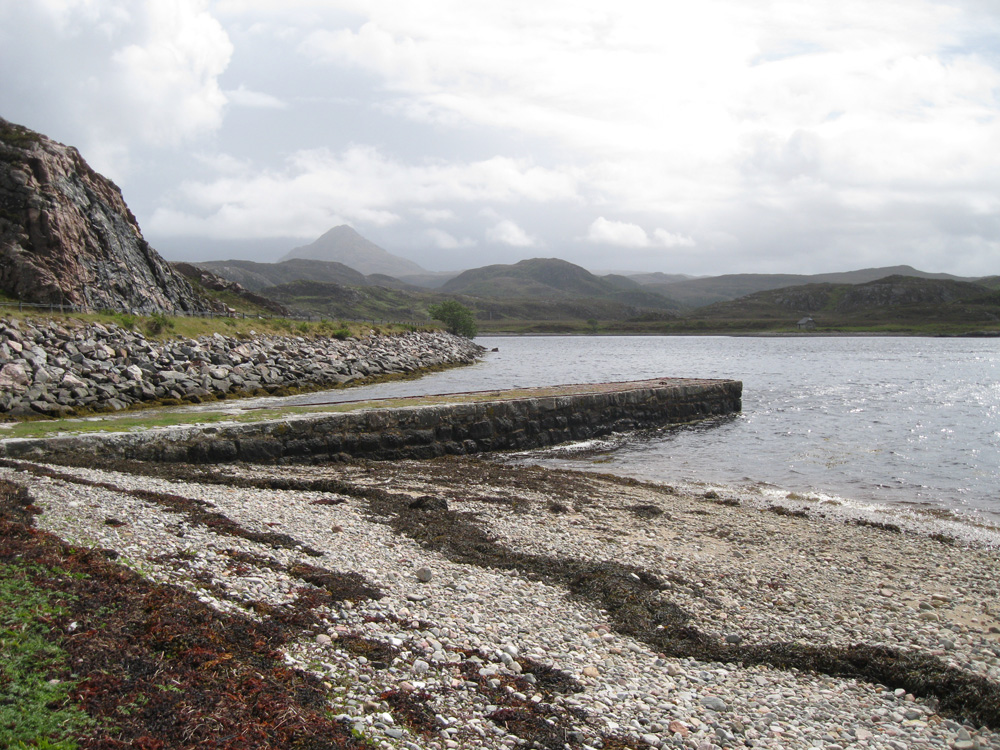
(158, 323)
(456, 317)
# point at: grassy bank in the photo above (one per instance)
(161, 327)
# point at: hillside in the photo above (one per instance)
(384, 303)
(708, 290)
(551, 278)
(67, 236)
(257, 276)
(344, 245)
(896, 300)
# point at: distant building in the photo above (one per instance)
(806, 324)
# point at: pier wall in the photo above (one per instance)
(414, 432)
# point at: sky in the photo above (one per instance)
(708, 137)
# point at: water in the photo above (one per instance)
(890, 420)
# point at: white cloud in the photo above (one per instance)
(114, 73)
(507, 232)
(244, 97)
(669, 239)
(358, 185)
(445, 241)
(620, 233)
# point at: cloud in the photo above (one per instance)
(319, 187)
(442, 239)
(617, 233)
(669, 239)
(507, 232)
(114, 73)
(244, 97)
(433, 215)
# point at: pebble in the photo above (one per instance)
(495, 621)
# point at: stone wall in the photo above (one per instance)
(53, 370)
(419, 431)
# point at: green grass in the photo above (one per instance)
(163, 327)
(34, 712)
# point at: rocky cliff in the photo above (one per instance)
(67, 237)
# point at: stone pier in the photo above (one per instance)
(414, 428)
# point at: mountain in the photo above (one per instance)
(894, 299)
(707, 290)
(258, 276)
(658, 277)
(549, 278)
(67, 237)
(343, 245)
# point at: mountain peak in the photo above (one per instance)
(343, 244)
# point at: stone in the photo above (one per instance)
(424, 574)
(713, 703)
(14, 378)
(420, 666)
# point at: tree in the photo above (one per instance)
(456, 316)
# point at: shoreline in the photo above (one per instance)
(499, 546)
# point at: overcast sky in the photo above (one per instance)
(700, 137)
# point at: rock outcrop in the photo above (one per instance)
(52, 370)
(67, 237)
(206, 279)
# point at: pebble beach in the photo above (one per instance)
(503, 644)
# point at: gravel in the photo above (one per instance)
(468, 642)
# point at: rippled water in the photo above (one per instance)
(882, 419)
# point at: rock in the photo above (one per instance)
(70, 238)
(424, 575)
(712, 703)
(323, 639)
(14, 378)
(678, 728)
(591, 672)
(420, 666)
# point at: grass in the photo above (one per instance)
(35, 706)
(162, 327)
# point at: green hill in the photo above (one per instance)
(709, 290)
(258, 276)
(895, 302)
(551, 278)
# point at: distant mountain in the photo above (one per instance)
(343, 245)
(893, 299)
(428, 279)
(258, 276)
(657, 277)
(549, 278)
(707, 290)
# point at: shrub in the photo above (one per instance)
(456, 317)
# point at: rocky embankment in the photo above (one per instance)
(50, 369)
